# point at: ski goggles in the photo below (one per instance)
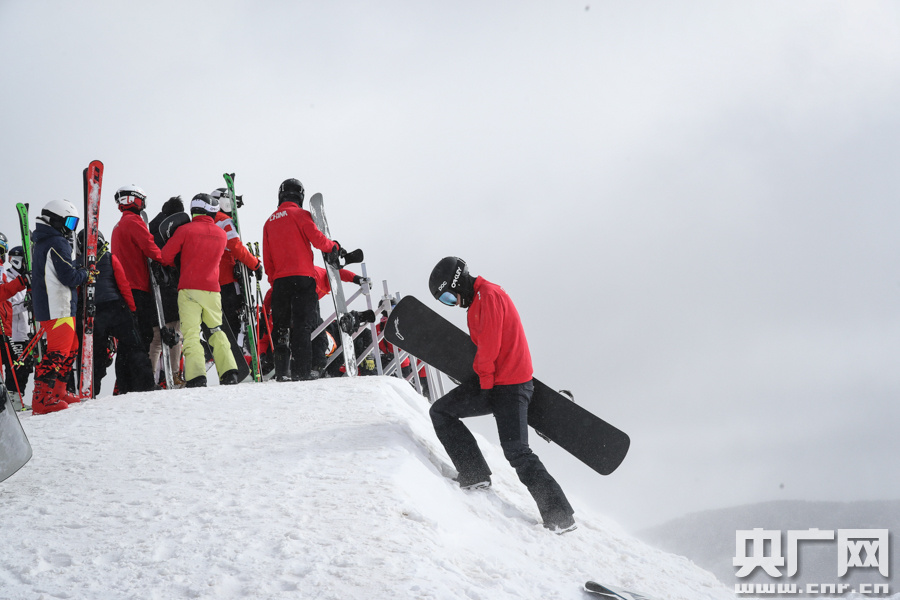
(70, 223)
(449, 298)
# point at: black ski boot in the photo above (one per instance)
(196, 382)
(229, 378)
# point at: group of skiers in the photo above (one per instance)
(194, 257)
(194, 262)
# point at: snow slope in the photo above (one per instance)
(329, 489)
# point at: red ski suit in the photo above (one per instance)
(503, 357)
(234, 251)
(132, 243)
(9, 287)
(287, 236)
(199, 266)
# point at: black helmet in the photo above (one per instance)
(101, 242)
(291, 190)
(17, 258)
(204, 204)
(450, 278)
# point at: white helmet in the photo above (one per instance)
(224, 198)
(61, 215)
(131, 197)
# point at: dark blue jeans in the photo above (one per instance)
(509, 405)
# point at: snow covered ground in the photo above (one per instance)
(329, 489)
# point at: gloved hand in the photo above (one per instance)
(334, 257)
(168, 336)
(258, 271)
(25, 278)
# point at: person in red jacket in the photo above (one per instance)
(132, 244)
(201, 244)
(503, 387)
(235, 252)
(288, 237)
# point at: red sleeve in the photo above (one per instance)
(347, 276)
(485, 327)
(240, 253)
(8, 290)
(268, 263)
(122, 283)
(172, 247)
(144, 241)
(315, 237)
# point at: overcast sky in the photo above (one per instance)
(692, 204)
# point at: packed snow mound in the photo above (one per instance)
(329, 489)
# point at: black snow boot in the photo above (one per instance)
(197, 382)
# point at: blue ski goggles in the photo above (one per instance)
(71, 223)
(449, 298)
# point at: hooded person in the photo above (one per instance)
(502, 387)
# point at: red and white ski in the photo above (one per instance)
(93, 177)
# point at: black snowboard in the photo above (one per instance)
(426, 335)
(15, 450)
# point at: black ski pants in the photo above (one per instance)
(232, 306)
(509, 405)
(294, 315)
(147, 319)
(133, 371)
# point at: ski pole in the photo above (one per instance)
(11, 366)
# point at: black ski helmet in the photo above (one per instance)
(101, 242)
(291, 190)
(17, 258)
(450, 278)
(204, 204)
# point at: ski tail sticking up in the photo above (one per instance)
(317, 209)
(249, 316)
(93, 178)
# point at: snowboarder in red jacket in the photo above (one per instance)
(503, 387)
(288, 237)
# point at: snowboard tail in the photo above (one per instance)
(417, 329)
(15, 450)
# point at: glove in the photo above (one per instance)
(334, 257)
(361, 281)
(258, 271)
(168, 336)
(25, 278)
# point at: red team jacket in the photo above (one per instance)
(234, 251)
(287, 236)
(205, 244)
(9, 287)
(132, 244)
(503, 357)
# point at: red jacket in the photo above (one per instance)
(323, 286)
(122, 283)
(9, 287)
(234, 251)
(287, 237)
(503, 357)
(201, 245)
(133, 244)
